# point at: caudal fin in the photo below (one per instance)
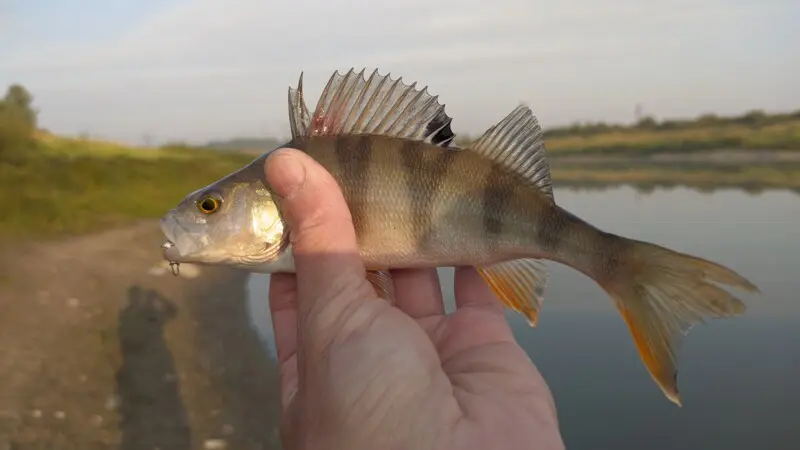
(661, 294)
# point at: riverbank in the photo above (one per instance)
(101, 348)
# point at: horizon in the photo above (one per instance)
(181, 70)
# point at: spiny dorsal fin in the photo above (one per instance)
(439, 130)
(351, 104)
(299, 119)
(517, 143)
(519, 284)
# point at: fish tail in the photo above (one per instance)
(661, 294)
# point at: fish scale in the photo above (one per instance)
(416, 201)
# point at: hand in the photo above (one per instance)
(358, 373)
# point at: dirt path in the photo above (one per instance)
(97, 352)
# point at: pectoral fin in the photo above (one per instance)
(383, 284)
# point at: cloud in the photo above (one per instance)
(203, 68)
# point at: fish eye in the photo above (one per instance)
(208, 205)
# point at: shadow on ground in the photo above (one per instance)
(218, 355)
(152, 412)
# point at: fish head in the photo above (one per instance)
(233, 221)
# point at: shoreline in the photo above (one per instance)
(98, 351)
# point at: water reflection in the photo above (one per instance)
(737, 376)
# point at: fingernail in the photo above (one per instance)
(286, 174)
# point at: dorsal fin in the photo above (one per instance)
(351, 104)
(299, 119)
(517, 143)
(439, 130)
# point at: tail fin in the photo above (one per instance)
(661, 294)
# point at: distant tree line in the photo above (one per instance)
(753, 118)
(17, 119)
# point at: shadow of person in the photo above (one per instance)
(153, 415)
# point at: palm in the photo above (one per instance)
(440, 368)
(490, 377)
(479, 356)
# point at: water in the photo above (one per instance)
(738, 376)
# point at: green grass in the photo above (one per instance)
(66, 186)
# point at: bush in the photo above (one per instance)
(15, 133)
(17, 120)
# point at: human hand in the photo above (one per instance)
(358, 373)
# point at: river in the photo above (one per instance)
(739, 377)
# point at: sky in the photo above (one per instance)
(193, 70)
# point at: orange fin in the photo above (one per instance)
(519, 284)
(383, 284)
(661, 294)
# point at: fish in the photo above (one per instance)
(419, 201)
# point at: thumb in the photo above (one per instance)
(329, 269)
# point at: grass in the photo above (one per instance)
(66, 186)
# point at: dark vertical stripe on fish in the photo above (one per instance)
(424, 179)
(353, 155)
(561, 227)
(496, 196)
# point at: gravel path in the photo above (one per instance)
(97, 350)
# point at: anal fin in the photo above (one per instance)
(519, 284)
(381, 281)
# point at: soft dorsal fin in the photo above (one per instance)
(299, 118)
(517, 143)
(351, 104)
